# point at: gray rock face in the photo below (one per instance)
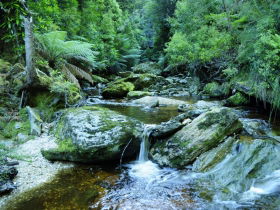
(201, 135)
(92, 134)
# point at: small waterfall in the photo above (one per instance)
(145, 144)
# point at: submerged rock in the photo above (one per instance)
(201, 135)
(91, 134)
(150, 100)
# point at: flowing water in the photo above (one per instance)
(142, 184)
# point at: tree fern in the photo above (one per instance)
(65, 55)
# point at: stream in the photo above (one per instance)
(142, 184)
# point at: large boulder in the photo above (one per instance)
(93, 135)
(161, 101)
(201, 135)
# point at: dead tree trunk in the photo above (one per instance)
(29, 51)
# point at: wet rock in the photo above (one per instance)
(241, 165)
(199, 106)
(138, 94)
(150, 100)
(255, 127)
(170, 127)
(209, 159)
(118, 89)
(6, 187)
(202, 134)
(7, 174)
(92, 134)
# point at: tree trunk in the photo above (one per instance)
(29, 50)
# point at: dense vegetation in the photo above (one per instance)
(230, 44)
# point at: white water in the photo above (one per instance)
(268, 185)
(145, 144)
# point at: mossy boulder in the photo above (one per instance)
(94, 135)
(237, 99)
(142, 81)
(118, 89)
(213, 89)
(202, 134)
(138, 94)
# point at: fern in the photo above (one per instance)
(65, 55)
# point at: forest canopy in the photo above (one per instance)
(232, 41)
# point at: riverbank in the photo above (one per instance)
(33, 168)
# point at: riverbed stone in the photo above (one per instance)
(162, 101)
(202, 134)
(94, 135)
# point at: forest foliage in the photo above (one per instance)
(230, 41)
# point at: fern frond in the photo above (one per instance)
(71, 77)
(78, 72)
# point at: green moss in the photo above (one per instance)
(66, 145)
(47, 104)
(237, 99)
(12, 128)
(118, 89)
(213, 89)
(98, 79)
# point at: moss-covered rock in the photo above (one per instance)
(202, 134)
(213, 89)
(118, 89)
(237, 99)
(138, 94)
(92, 134)
(142, 81)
